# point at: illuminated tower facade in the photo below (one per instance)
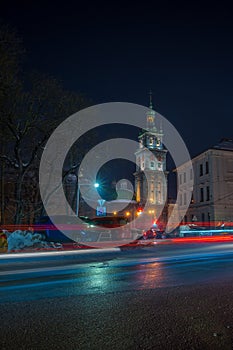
(151, 174)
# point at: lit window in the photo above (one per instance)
(150, 119)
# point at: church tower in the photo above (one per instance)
(151, 174)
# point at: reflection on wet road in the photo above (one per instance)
(121, 273)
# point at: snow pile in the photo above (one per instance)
(18, 240)
(185, 227)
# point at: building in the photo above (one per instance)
(212, 175)
(151, 174)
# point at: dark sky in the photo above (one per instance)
(182, 51)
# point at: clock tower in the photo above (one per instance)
(151, 174)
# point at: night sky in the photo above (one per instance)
(183, 52)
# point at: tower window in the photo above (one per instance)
(124, 186)
(152, 164)
(151, 141)
(159, 165)
(207, 167)
(150, 119)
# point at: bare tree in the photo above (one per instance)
(30, 109)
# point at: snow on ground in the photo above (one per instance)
(18, 240)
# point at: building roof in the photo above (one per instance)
(225, 144)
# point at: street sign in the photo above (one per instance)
(101, 211)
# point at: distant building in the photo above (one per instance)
(212, 198)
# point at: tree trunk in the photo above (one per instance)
(19, 200)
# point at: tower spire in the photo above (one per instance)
(150, 116)
(161, 126)
(150, 95)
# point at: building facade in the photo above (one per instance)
(212, 198)
(151, 174)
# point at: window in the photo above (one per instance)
(207, 167)
(180, 199)
(201, 169)
(203, 217)
(185, 199)
(184, 177)
(124, 186)
(209, 217)
(152, 164)
(207, 193)
(192, 199)
(191, 174)
(201, 195)
(180, 179)
(159, 165)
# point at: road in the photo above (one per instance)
(88, 293)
